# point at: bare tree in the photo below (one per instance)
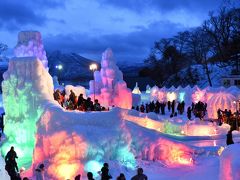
(199, 48)
(220, 29)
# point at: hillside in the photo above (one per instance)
(75, 67)
(195, 75)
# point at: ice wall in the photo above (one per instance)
(71, 142)
(26, 86)
(30, 45)
(108, 84)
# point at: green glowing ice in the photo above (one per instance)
(22, 113)
(126, 158)
(171, 128)
(94, 167)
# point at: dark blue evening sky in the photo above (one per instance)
(88, 27)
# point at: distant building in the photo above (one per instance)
(234, 78)
(231, 80)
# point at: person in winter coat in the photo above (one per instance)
(78, 177)
(142, 109)
(11, 155)
(11, 167)
(229, 138)
(11, 164)
(173, 106)
(189, 113)
(121, 177)
(169, 105)
(140, 175)
(90, 176)
(40, 172)
(105, 171)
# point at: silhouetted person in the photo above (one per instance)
(40, 172)
(2, 122)
(169, 106)
(72, 97)
(105, 171)
(179, 107)
(189, 113)
(173, 106)
(151, 106)
(182, 107)
(121, 177)
(25, 178)
(10, 159)
(140, 175)
(78, 177)
(96, 105)
(137, 108)
(12, 169)
(80, 100)
(142, 109)
(229, 138)
(90, 176)
(157, 107)
(57, 96)
(162, 106)
(147, 108)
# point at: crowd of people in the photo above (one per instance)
(199, 109)
(74, 102)
(226, 116)
(12, 169)
(159, 107)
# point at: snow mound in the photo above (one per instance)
(229, 163)
(3, 173)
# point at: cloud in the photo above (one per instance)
(133, 46)
(14, 14)
(163, 5)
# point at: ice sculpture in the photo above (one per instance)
(26, 87)
(30, 45)
(170, 152)
(148, 89)
(229, 163)
(108, 85)
(222, 100)
(136, 89)
(154, 93)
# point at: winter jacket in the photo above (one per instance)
(39, 174)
